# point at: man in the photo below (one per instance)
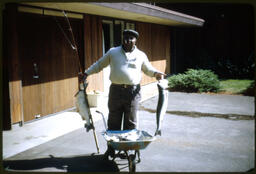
(126, 63)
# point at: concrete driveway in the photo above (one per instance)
(188, 143)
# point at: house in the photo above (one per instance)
(40, 65)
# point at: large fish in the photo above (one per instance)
(162, 104)
(82, 106)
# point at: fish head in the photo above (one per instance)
(163, 84)
(85, 84)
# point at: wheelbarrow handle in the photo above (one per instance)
(103, 118)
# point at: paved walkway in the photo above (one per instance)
(193, 104)
(201, 144)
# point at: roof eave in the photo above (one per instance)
(151, 11)
(130, 11)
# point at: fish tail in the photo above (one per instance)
(88, 127)
(158, 132)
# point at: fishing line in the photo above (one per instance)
(73, 42)
(63, 32)
(73, 38)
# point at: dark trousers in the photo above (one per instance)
(123, 101)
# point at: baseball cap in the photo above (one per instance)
(132, 32)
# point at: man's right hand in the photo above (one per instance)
(82, 77)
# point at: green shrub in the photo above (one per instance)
(250, 91)
(194, 81)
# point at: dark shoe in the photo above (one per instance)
(111, 151)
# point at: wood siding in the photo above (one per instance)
(154, 40)
(41, 42)
(14, 68)
(34, 39)
(93, 49)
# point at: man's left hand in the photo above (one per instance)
(159, 75)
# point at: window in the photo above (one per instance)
(108, 32)
(118, 29)
(112, 32)
(130, 26)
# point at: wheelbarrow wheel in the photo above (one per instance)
(132, 163)
(109, 153)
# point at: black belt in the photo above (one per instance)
(124, 85)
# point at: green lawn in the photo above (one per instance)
(234, 86)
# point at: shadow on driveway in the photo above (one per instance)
(86, 163)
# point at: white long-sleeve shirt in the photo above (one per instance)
(125, 68)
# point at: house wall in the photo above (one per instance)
(35, 41)
(13, 103)
(154, 40)
(93, 49)
(42, 44)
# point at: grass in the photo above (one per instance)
(232, 86)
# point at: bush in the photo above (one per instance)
(194, 81)
(250, 91)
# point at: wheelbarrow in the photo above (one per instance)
(127, 143)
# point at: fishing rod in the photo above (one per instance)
(73, 42)
(74, 47)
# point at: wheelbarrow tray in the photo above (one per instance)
(130, 145)
(126, 145)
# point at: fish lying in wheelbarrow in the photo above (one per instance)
(82, 106)
(162, 104)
